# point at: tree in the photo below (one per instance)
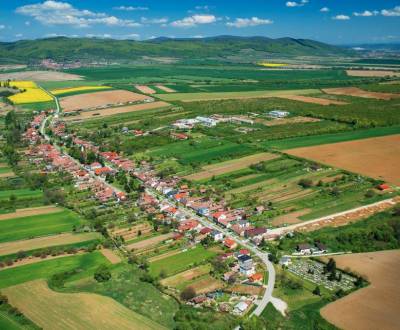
(102, 274)
(305, 183)
(317, 291)
(188, 293)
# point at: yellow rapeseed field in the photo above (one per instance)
(77, 89)
(272, 65)
(32, 93)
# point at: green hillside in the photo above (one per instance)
(63, 48)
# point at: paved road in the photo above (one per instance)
(260, 254)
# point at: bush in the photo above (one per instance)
(305, 183)
(188, 293)
(102, 274)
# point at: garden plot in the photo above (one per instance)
(99, 100)
(380, 156)
(357, 92)
(73, 310)
(313, 271)
(132, 232)
(206, 284)
(186, 276)
(376, 306)
(147, 243)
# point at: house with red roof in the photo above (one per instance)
(230, 243)
(103, 171)
(188, 225)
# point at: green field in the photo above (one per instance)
(231, 95)
(87, 263)
(180, 262)
(307, 141)
(38, 225)
(20, 193)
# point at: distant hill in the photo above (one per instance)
(63, 48)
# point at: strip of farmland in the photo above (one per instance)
(94, 114)
(190, 97)
(48, 241)
(230, 166)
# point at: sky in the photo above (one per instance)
(331, 21)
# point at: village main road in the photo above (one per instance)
(260, 254)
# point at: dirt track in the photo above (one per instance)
(378, 157)
(99, 99)
(374, 307)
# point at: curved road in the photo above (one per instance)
(260, 254)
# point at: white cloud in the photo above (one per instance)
(205, 7)
(2, 27)
(296, 4)
(27, 23)
(62, 13)
(18, 35)
(245, 22)
(366, 13)
(162, 20)
(324, 10)
(391, 12)
(130, 8)
(198, 36)
(194, 20)
(341, 17)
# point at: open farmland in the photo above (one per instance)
(357, 92)
(47, 241)
(372, 73)
(230, 166)
(40, 76)
(30, 211)
(37, 225)
(94, 114)
(374, 307)
(85, 310)
(375, 157)
(31, 93)
(166, 88)
(179, 262)
(77, 89)
(313, 100)
(190, 97)
(99, 99)
(87, 262)
(145, 89)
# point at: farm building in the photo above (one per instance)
(278, 114)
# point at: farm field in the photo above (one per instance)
(31, 93)
(179, 262)
(85, 310)
(30, 211)
(39, 76)
(308, 141)
(95, 114)
(47, 241)
(149, 242)
(372, 73)
(166, 88)
(87, 262)
(380, 156)
(313, 100)
(78, 89)
(145, 89)
(230, 166)
(38, 225)
(375, 306)
(191, 97)
(20, 193)
(99, 99)
(357, 92)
